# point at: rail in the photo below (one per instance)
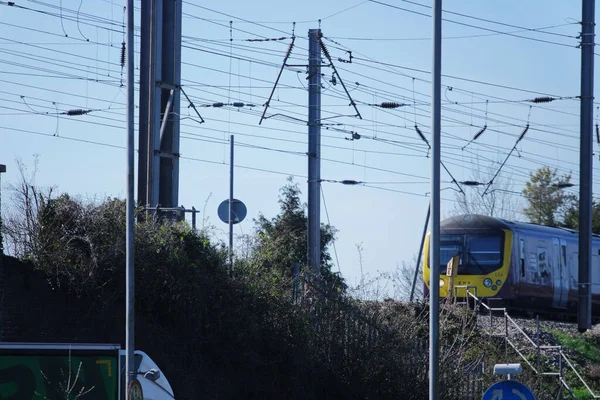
(536, 347)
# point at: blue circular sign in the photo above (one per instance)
(508, 390)
(238, 208)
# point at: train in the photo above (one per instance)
(517, 265)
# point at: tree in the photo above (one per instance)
(403, 278)
(20, 223)
(549, 204)
(282, 241)
(571, 216)
(497, 202)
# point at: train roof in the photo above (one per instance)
(474, 221)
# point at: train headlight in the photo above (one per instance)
(498, 282)
(442, 283)
(487, 282)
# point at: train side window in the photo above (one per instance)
(522, 251)
(564, 255)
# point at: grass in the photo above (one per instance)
(583, 346)
(582, 393)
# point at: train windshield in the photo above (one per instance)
(479, 254)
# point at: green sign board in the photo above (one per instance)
(88, 377)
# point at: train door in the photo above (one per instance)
(560, 273)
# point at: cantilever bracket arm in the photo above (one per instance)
(192, 105)
(506, 159)
(326, 52)
(163, 125)
(283, 65)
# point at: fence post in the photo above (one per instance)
(537, 339)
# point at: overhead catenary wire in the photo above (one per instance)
(194, 159)
(479, 132)
(532, 127)
(476, 27)
(496, 22)
(264, 26)
(328, 56)
(287, 55)
(521, 136)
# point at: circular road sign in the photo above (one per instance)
(508, 390)
(135, 390)
(238, 209)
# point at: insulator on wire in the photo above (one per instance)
(523, 134)
(218, 104)
(349, 182)
(471, 183)
(238, 104)
(324, 48)
(543, 99)
(122, 54)
(77, 112)
(422, 136)
(390, 104)
(479, 133)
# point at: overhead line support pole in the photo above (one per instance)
(231, 203)
(314, 150)
(130, 227)
(434, 305)
(170, 72)
(584, 307)
(412, 291)
(160, 85)
(144, 96)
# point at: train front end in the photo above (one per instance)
(483, 247)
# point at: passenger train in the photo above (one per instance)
(517, 265)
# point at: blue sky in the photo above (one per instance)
(66, 56)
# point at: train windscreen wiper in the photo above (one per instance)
(471, 258)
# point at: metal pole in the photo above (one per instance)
(144, 96)
(130, 270)
(2, 170)
(231, 202)
(175, 118)
(585, 161)
(314, 151)
(155, 108)
(434, 305)
(168, 100)
(412, 291)
(194, 219)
